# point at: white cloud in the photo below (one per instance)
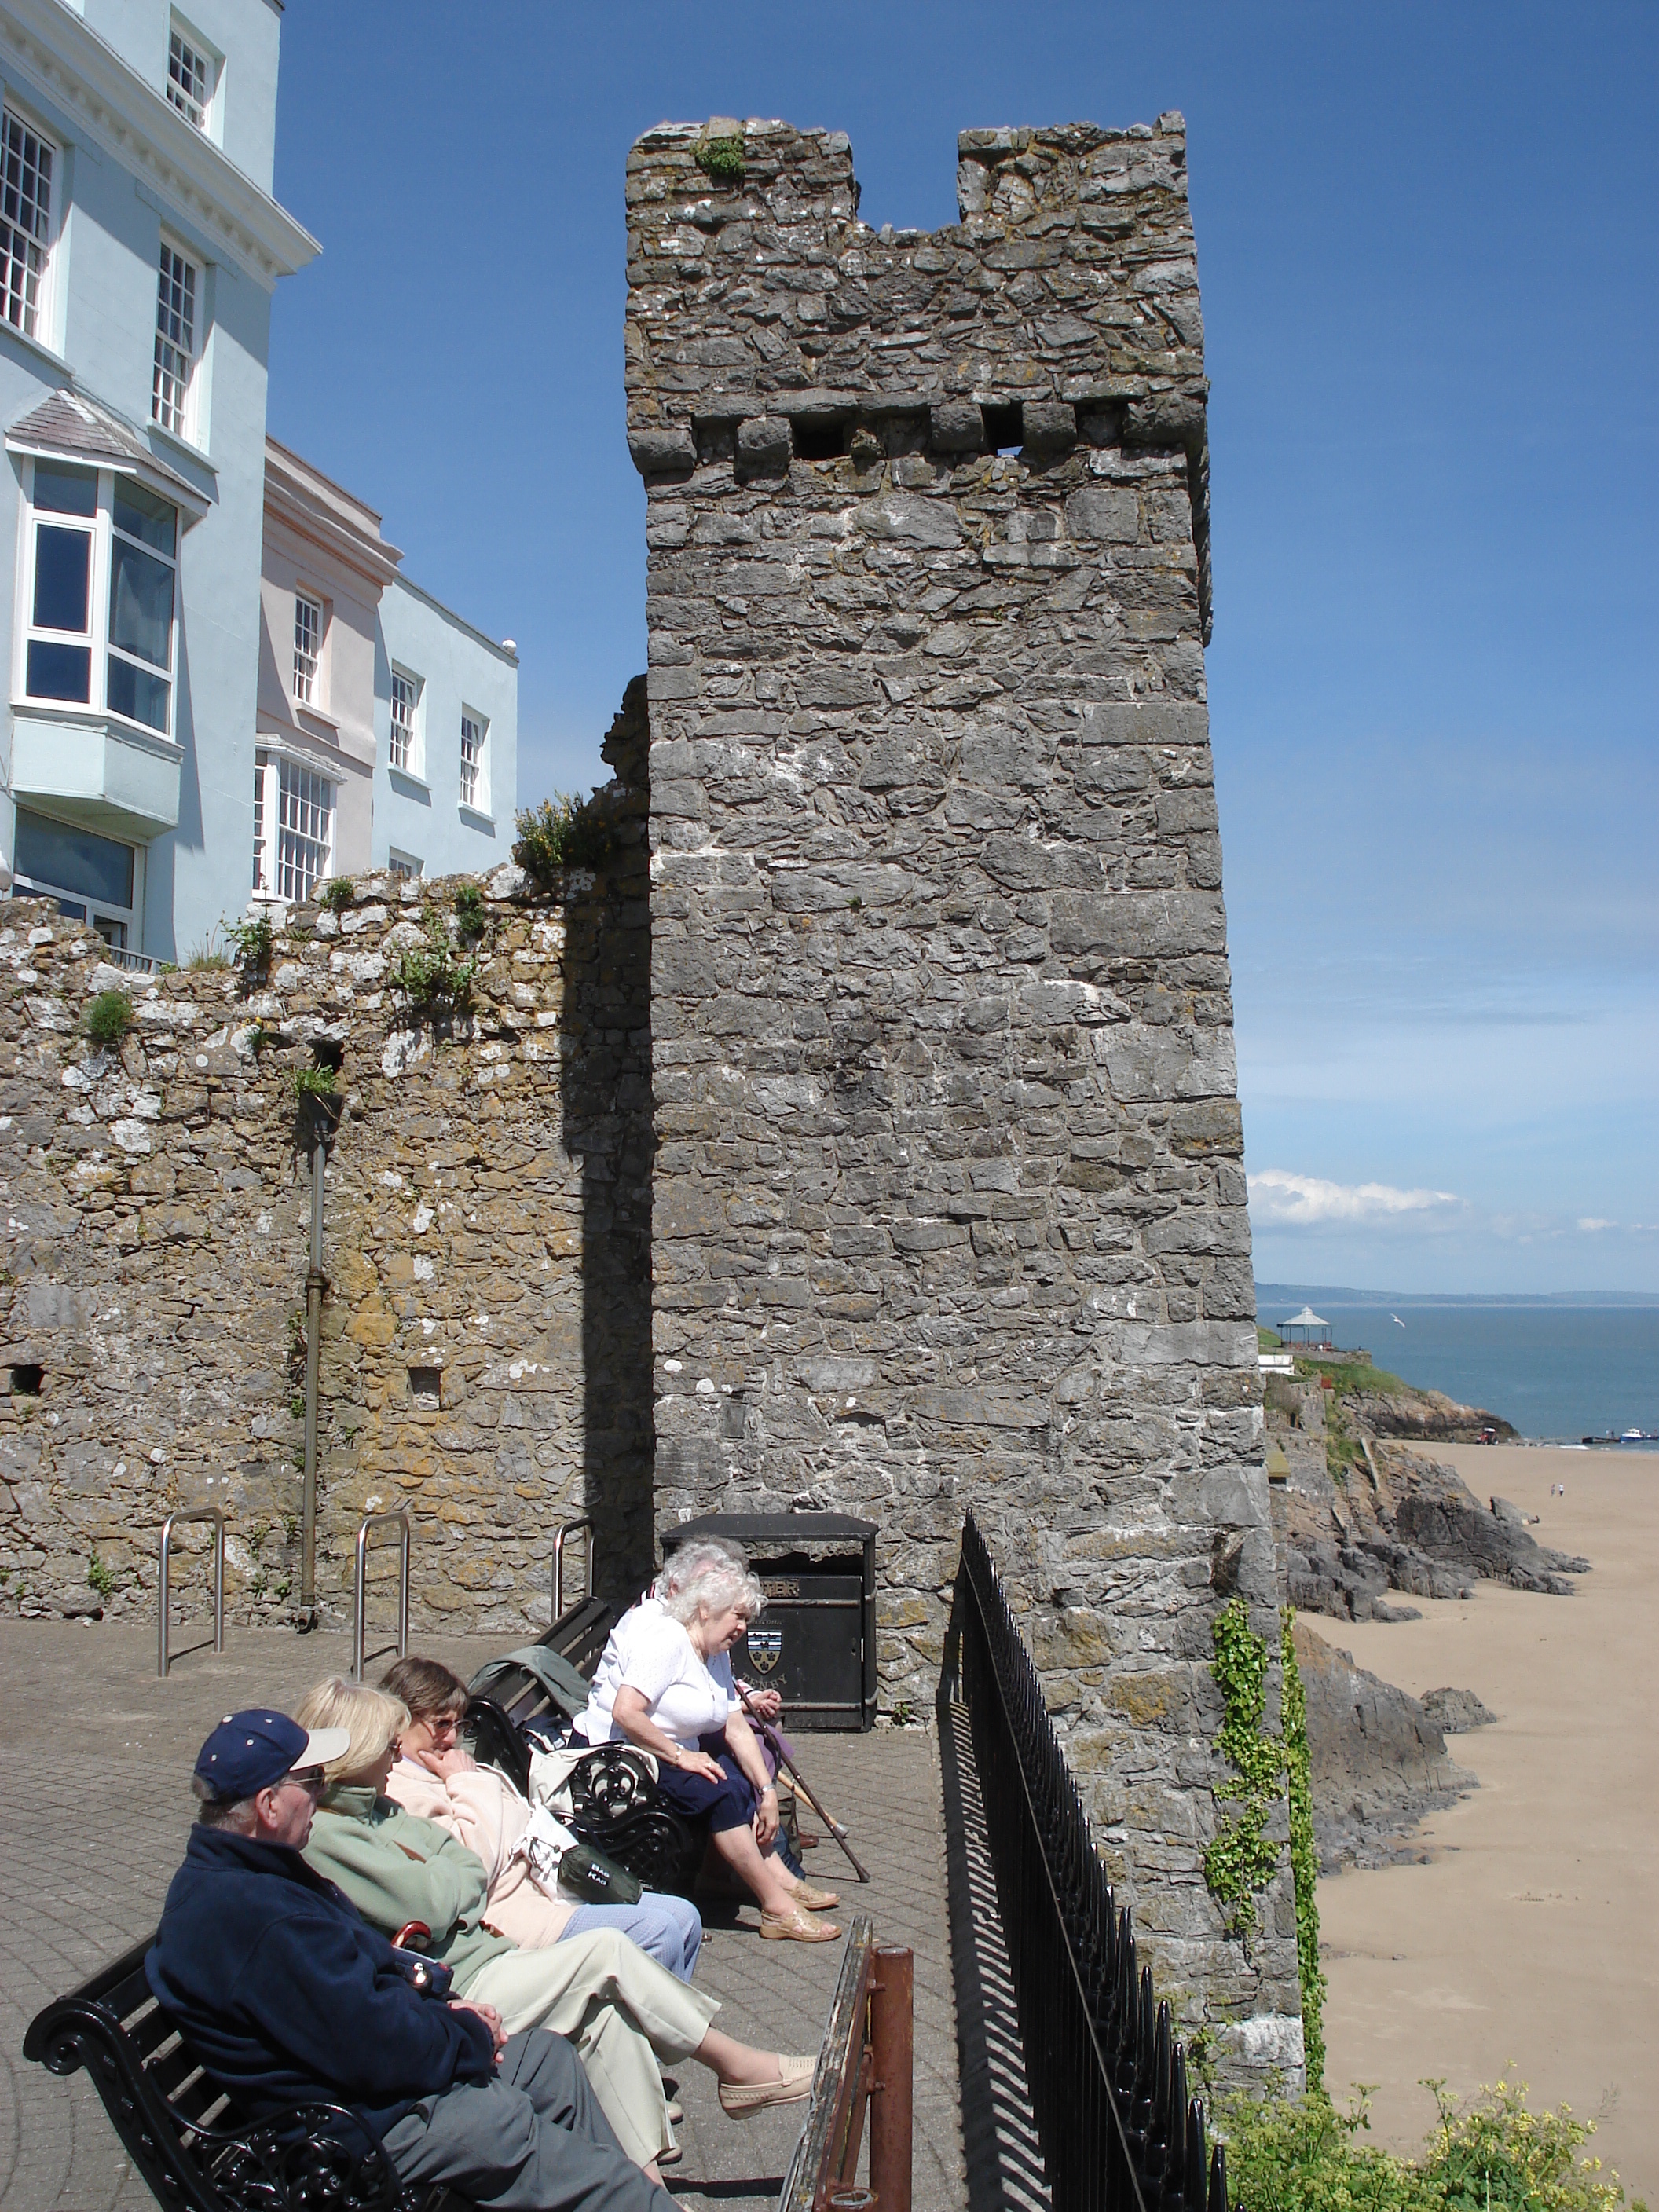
(1590, 1221)
(1279, 1200)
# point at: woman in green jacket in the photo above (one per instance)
(620, 2008)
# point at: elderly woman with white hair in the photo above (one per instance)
(664, 1684)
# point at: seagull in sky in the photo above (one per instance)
(1395, 1319)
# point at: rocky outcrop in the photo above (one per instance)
(1377, 1760)
(1393, 1521)
(1426, 1417)
(1455, 1712)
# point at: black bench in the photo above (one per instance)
(188, 2142)
(191, 2147)
(616, 1807)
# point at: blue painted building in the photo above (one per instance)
(446, 723)
(388, 726)
(139, 249)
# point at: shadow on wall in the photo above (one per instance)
(605, 1089)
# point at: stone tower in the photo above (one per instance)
(950, 1203)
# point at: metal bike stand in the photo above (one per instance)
(569, 1529)
(163, 1657)
(399, 1515)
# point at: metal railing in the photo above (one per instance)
(568, 1528)
(163, 1656)
(1108, 2080)
(399, 1515)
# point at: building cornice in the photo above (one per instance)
(370, 558)
(53, 53)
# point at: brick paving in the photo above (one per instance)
(94, 1761)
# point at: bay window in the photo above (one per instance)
(92, 878)
(100, 594)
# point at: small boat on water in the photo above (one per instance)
(1624, 1436)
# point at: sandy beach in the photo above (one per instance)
(1533, 1937)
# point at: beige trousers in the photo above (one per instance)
(617, 2007)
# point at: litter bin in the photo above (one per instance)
(816, 1642)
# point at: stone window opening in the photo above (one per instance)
(820, 442)
(27, 1380)
(426, 1386)
(1004, 427)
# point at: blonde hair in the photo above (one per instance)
(372, 1719)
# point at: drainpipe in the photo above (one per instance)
(314, 1285)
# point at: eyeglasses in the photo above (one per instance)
(308, 1778)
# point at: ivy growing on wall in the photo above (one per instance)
(1305, 1862)
(1241, 1860)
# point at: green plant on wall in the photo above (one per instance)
(101, 1578)
(721, 160)
(1304, 1859)
(431, 980)
(471, 916)
(336, 894)
(1241, 1860)
(253, 938)
(107, 1018)
(314, 1082)
(560, 833)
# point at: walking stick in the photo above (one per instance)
(800, 1782)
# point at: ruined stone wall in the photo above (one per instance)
(487, 1213)
(950, 1207)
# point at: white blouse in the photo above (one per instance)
(648, 1650)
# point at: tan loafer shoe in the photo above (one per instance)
(741, 2100)
(797, 1927)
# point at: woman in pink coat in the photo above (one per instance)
(437, 1781)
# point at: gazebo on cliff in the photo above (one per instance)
(1307, 1322)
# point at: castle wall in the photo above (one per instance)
(950, 1205)
(485, 1323)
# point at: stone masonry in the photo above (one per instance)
(949, 1203)
(485, 1327)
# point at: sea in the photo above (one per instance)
(1556, 1372)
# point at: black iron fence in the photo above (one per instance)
(1108, 2080)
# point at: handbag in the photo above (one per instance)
(596, 1880)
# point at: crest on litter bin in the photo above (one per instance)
(765, 1646)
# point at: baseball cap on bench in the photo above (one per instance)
(249, 1751)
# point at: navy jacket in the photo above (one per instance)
(288, 1995)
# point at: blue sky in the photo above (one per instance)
(1427, 245)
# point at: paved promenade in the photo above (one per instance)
(94, 1762)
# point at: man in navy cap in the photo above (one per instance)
(288, 1997)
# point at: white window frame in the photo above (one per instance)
(101, 528)
(287, 846)
(308, 670)
(183, 45)
(180, 286)
(408, 867)
(407, 736)
(34, 317)
(119, 925)
(476, 800)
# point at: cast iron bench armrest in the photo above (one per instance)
(189, 2144)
